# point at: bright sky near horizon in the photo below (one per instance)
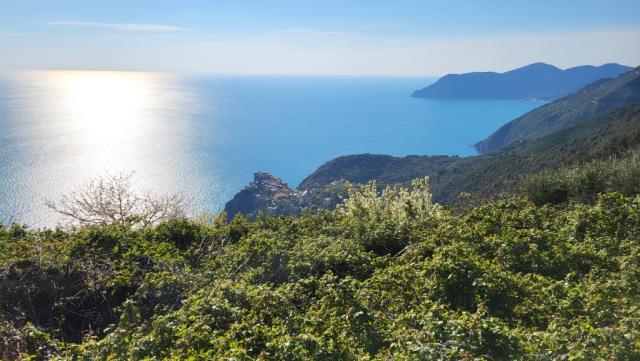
(359, 37)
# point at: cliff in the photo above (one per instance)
(271, 195)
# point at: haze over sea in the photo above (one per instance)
(204, 137)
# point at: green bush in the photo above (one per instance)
(385, 222)
(387, 276)
(584, 182)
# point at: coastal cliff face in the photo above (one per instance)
(260, 194)
(272, 196)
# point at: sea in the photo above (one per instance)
(204, 136)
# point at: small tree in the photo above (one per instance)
(383, 221)
(398, 205)
(112, 199)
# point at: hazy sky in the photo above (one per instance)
(390, 37)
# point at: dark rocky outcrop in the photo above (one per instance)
(259, 194)
(271, 195)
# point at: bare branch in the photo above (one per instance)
(111, 199)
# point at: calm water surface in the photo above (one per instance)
(204, 137)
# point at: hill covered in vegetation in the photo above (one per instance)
(597, 122)
(486, 176)
(387, 275)
(597, 98)
(534, 81)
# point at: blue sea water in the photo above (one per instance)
(204, 137)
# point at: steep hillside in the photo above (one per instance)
(600, 137)
(534, 81)
(594, 99)
(614, 133)
(594, 123)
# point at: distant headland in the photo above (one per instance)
(537, 81)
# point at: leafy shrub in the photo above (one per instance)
(389, 275)
(384, 222)
(584, 182)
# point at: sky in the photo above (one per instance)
(327, 37)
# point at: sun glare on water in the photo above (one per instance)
(110, 122)
(80, 125)
(106, 107)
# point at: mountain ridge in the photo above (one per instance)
(538, 81)
(602, 136)
(596, 98)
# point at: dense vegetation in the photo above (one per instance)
(584, 182)
(601, 137)
(387, 275)
(597, 98)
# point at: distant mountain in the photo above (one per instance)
(597, 98)
(534, 81)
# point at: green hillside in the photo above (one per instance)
(385, 276)
(597, 98)
(486, 176)
(551, 273)
(597, 122)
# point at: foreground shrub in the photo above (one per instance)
(385, 222)
(388, 276)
